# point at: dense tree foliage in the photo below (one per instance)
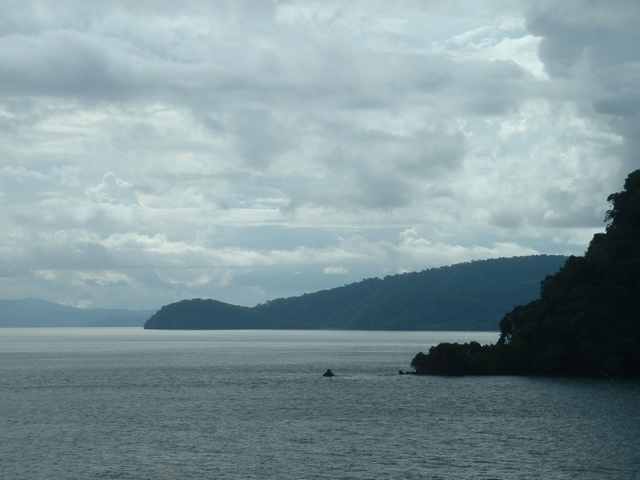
(587, 319)
(466, 296)
(459, 359)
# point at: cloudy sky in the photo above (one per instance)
(153, 151)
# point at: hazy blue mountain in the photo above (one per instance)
(31, 312)
(467, 296)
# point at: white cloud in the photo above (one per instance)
(335, 271)
(103, 278)
(252, 149)
(112, 190)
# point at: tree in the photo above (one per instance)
(586, 320)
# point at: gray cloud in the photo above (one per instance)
(590, 42)
(249, 149)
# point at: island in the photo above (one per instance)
(586, 321)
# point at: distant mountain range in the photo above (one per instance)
(466, 296)
(31, 312)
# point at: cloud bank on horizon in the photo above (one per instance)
(251, 149)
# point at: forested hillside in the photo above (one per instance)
(466, 296)
(586, 320)
(198, 314)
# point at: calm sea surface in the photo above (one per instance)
(134, 404)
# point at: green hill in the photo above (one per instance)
(466, 296)
(198, 314)
(586, 320)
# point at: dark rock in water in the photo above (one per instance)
(328, 373)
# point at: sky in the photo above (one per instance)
(247, 150)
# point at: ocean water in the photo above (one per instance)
(127, 403)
